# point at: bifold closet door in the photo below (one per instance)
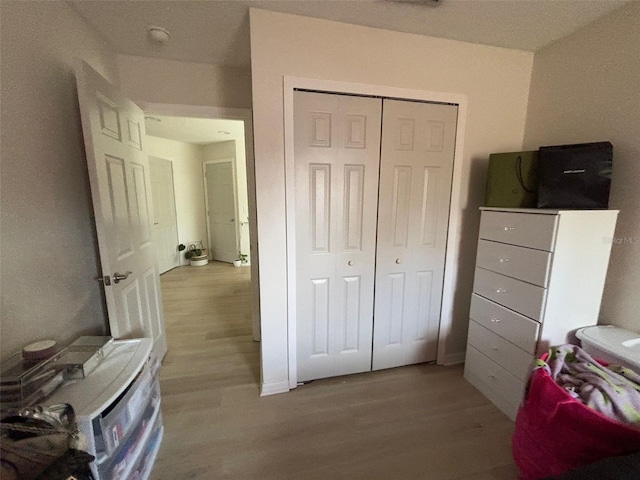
(415, 187)
(337, 150)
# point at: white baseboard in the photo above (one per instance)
(454, 358)
(274, 388)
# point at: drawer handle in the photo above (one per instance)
(398, 261)
(508, 229)
(501, 290)
(504, 260)
(350, 263)
(495, 349)
(495, 320)
(492, 376)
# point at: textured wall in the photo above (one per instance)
(48, 250)
(586, 88)
(495, 80)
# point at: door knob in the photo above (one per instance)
(121, 276)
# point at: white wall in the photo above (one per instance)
(586, 88)
(495, 80)
(48, 251)
(188, 185)
(235, 149)
(184, 83)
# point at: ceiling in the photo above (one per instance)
(198, 131)
(217, 31)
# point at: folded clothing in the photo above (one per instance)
(612, 390)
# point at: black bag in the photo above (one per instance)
(575, 176)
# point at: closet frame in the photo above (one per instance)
(290, 84)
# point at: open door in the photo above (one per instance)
(165, 223)
(220, 201)
(114, 137)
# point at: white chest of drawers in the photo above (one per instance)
(539, 276)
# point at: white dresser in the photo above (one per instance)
(539, 276)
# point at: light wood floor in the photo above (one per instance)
(420, 422)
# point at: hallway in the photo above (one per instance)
(207, 314)
(417, 422)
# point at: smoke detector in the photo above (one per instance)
(159, 35)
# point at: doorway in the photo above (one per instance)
(291, 84)
(208, 308)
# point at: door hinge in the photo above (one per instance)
(106, 280)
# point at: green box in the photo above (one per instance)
(512, 180)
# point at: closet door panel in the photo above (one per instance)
(415, 185)
(336, 147)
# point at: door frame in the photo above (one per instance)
(246, 115)
(235, 198)
(453, 234)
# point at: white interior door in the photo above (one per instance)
(165, 227)
(336, 147)
(114, 138)
(220, 197)
(415, 188)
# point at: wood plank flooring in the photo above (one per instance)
(419, 422)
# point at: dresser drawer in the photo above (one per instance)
(513, 359)
(531, 230)
(525, 264)
(518, 329)
(493, 376)
(520, 296)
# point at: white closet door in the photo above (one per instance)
(165, 228)
(337, 148)
(415, 186)
(220, 202)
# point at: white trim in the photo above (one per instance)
(453, 237)
(453, 359)
(274, 388)
(236, 211)
(197, 111)
(246, 115)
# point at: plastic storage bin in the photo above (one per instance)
(612, 344)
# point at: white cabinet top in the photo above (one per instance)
(91, 395)
(543, 211)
